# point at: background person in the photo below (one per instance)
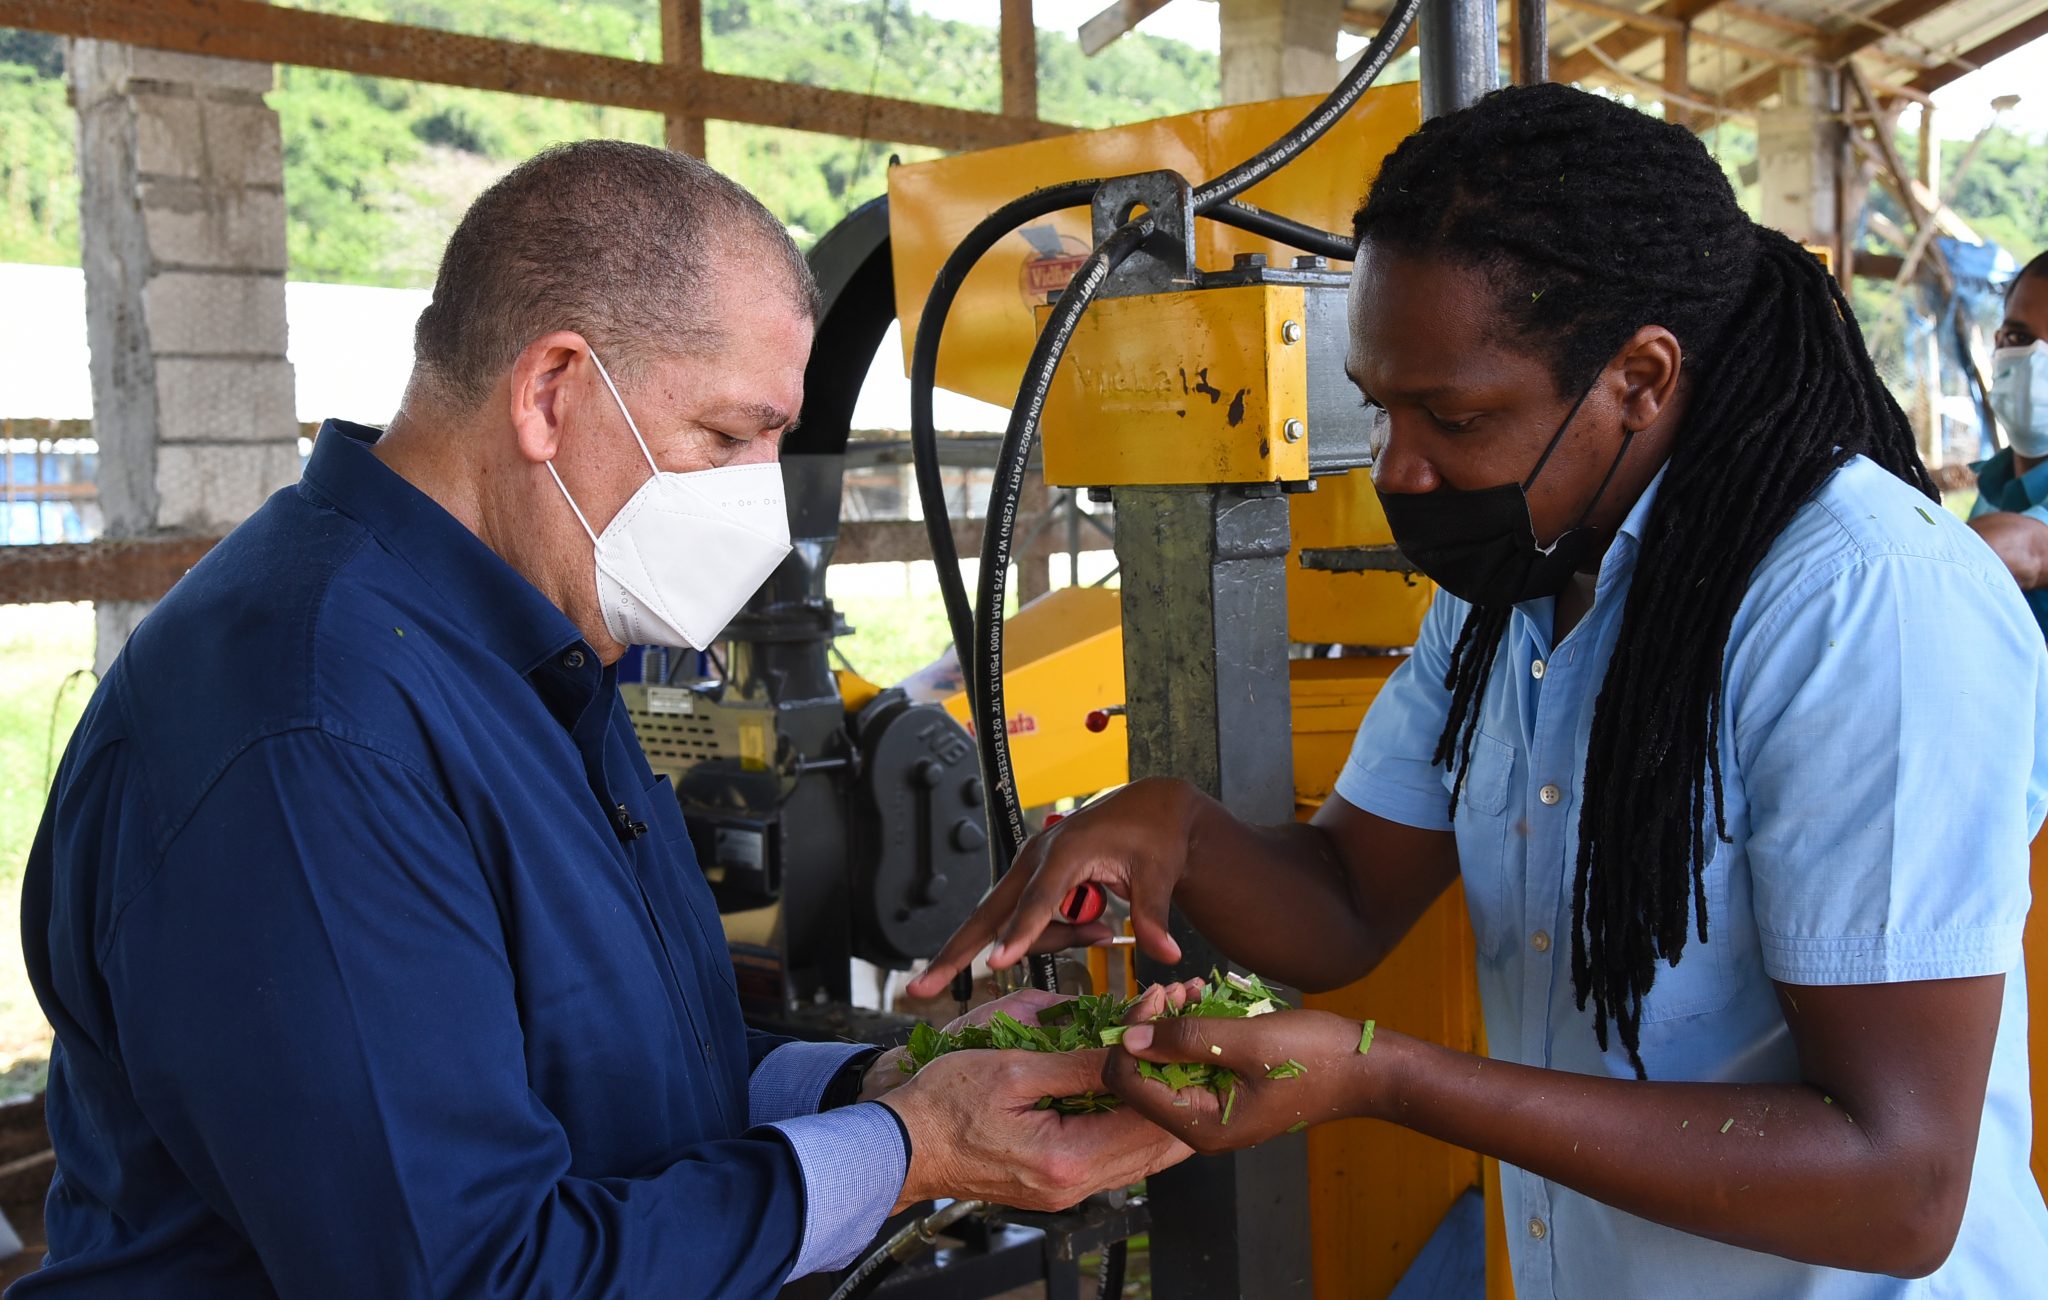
(2011, 513)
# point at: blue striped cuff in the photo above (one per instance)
(854, 1160)
(790, 1080)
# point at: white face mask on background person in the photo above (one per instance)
(2019, 396)
(686, 550)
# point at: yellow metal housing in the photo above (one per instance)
(1063, 655)
(991, 327)
(1376, 609)
(1174, 388)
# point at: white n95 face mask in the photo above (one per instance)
(687, 550)
(2019, 396)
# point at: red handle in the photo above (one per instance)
(1083, 903)
(1098, 719)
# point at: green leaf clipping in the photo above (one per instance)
(1096, 1020)
(1287, 1069)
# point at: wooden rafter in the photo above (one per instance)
(1114, 21)
(1857, 37)
(264, 33)
(1665, 26)
(682, 47)
(1631, 38)
(1997, 47)
(1019, 40)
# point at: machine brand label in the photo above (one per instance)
(670, 701)
(1053, 260)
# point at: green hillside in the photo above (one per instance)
(376, 171)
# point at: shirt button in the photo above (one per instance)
(1537, 1230)
(1540, 941)
(1550, 794)
(706, 1046)
(1536, 669)
(574, 659)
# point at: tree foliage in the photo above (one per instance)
(377, 171)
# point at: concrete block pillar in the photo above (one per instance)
(1803, 158)
(182, 234)
(1276, 48)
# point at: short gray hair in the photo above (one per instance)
(619, 242)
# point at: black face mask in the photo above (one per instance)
(1481, 546)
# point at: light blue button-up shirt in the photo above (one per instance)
(1885, 752)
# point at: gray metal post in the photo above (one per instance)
(1460, 43)
(1204, 578)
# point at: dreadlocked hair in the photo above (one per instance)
(1590, 220)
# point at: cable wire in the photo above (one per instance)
(924, 369)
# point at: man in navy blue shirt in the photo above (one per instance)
(378, 959)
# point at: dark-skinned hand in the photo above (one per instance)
(1133, 843)
(1336, 1082)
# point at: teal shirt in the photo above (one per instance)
(1998, 489)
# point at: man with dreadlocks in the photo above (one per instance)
(1734, 736)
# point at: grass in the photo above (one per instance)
(41, 647)
(899, 625)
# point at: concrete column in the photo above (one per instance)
(182, 234)
(1802, 158)
(1276, 48)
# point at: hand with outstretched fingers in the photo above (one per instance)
(1294, 1068)
(1134, 843)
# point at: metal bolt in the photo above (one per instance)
(1099, 496)
(1244, 261)
(1290, 331)
(1311, 262)
(1293, 430)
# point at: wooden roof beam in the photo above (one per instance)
(1998, 46)
(1630, 39)
(1667, 27)
(1118, 18)
(264, 33)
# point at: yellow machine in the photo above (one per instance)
(1213, 388)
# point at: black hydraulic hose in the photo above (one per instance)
(1208, 201)
(910, 1241)
(1109, 1279)
(1320, 118)
(1006, 830)
(1283, 230)
(924, 370)
(984, 626)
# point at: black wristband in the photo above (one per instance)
(844, 1087)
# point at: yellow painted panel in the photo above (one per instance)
(1377, 1191)
(1063, 655)
(1181, 388)
(1381, 609)
(932, 205)
(1330, 697)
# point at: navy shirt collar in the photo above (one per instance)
(508, 614)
